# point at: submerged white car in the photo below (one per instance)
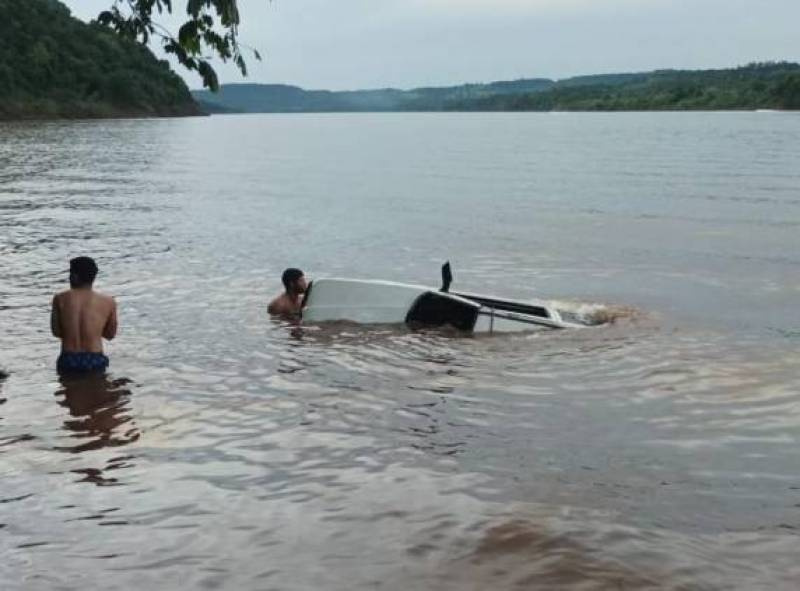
(386, 302)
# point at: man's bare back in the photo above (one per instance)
(82, 318)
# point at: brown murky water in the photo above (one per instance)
(227, 451)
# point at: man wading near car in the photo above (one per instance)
(290, 303)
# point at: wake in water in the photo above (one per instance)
(590, 315)
(595, 314)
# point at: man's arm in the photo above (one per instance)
(110, 329)
(55, 318)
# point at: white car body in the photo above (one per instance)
(386, 302)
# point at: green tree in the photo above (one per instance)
(212, 26)
(54, 65)
(787, 91)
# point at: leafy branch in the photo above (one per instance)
(211, 29)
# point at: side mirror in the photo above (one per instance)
(447, 277)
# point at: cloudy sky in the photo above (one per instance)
(341, 44)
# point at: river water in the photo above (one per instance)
(227, 451)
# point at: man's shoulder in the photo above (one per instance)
(277, 305)
(103, 298)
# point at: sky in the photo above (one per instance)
(350, 44)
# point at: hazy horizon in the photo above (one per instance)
(361, 45)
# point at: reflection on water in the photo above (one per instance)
(658, 450)
(552, 559)
(99, 409)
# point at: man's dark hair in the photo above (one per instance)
(82, 271)
(290, 276)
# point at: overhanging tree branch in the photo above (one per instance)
(211, 30)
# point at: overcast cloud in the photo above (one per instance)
(340, 44)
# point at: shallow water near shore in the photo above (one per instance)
(225, 450)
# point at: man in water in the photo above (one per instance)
(82, 318)
(290, 302)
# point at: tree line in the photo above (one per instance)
(54, 65)
(755, 86)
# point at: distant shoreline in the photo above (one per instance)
(467, 111)
(38, 117)
(758, 86)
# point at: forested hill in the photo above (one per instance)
(757, 86)
(280, 98)
(54, 65)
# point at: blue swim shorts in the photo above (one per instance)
(81, 362)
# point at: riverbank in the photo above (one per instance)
(44, 110)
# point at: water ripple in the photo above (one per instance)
(224, 450)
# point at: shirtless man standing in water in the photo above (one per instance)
(82, 318)
(289, 304)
